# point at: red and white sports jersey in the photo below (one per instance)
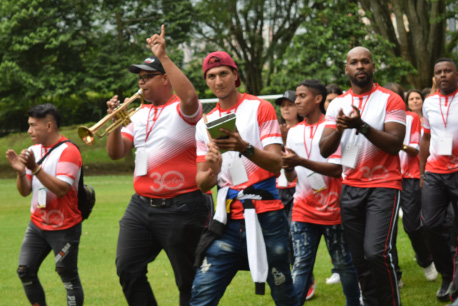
(168, 137)
(410, 165)
(256, 122)
(374, 167)
(319, 207)
(440, 120)
(64, 163)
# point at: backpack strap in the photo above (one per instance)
(55, 146)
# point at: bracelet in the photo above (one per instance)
(36, 170)
(404, 147)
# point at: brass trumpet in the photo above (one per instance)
(122, 115)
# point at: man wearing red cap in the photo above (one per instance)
(167, 211)
(250, 228)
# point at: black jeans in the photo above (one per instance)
(146, 230)
(369, 216)
(36, 246)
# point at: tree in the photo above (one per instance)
(255, 32)
(416, 31)
(75, 53)
(319, 48)
(41, 43)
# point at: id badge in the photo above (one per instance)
(317, 182)
(42, 197)
(445, 145)
(350, 155)
(238, 172)
(141, 162)
(282, 181)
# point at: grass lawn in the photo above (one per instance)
(98, 248)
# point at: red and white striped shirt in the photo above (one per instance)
(410, 165)
(374, 167)
(64, 163)
(439, 113)
(256, 122)
(169, 139)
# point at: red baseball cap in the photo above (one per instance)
(217, 59)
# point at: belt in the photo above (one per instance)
(163, 202)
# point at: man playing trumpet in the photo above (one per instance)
(167, 211)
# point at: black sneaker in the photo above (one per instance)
(444, 292)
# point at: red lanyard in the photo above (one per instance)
(155, 118)
(313, 129)
(444, 120)
(361, 106)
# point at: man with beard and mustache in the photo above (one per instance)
(368, 122)
(439, 168)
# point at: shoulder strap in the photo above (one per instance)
(49, 152)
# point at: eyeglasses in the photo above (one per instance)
(146, 77)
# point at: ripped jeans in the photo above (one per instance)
(306, 238)
(35, 248)
(227, 255)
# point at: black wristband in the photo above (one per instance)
(364, 128)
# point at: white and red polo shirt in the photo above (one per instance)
(374, 167)
(64, 163)
(256, 122)
(313, 206)
(410, 165)
(440, 120)
(169, 139)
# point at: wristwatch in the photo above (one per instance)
(249, 151)
(364, 128)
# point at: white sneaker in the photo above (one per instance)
(430, 272)
(400, 284)
(334, 279)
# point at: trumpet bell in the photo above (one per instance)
(86, 135)
(121, 115)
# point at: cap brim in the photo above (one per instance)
(280, 100)
(138, 68)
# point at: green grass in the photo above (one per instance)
(98, 248)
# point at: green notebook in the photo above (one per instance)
(227, 122)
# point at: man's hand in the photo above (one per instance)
(28, 158)
(112, 104)
(353, 121)
(284, 128)
(290, 159)
(157, 43)
(234, 142)
(15, 161)
(213, 158)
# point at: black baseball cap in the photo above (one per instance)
(152, 63)
(289, 95)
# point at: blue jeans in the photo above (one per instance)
(306, 238)
(227, 255)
